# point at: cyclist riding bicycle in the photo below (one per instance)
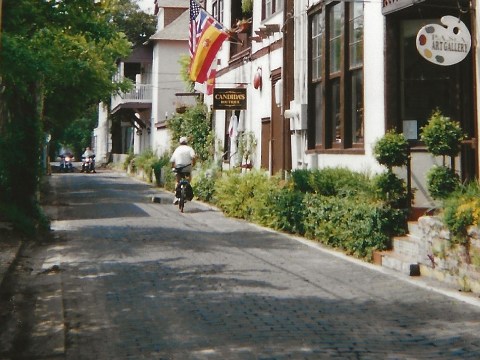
(183, 159)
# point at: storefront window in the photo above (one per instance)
(335, 41)
(424, 86)
(336, 83)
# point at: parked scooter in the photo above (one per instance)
(88, 164)
(66, 163)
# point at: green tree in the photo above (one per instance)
(196, 125)
(57, 58)
(137, 25)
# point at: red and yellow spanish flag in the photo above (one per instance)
(210, 37)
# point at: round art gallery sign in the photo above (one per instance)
(445, 44)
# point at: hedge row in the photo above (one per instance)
(336, 207)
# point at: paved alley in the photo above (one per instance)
(127, 278)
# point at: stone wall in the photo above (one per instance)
(447, 261)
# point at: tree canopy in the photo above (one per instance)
(57, 59)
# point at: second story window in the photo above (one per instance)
(217, 10)
(241, 42)
(270, 7)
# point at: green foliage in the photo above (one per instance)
(353, 224)
(133, 22)
(247, 7)
(161, 164)
(331, 181)
(77, 135)
(145, 162)
(57, 59)
(391, 189)
(28, 224)
(204, 183)
(195, 125)
(130, 160)
(442, 181)
(169, 178)
(184, 62)
(236, 194)
(441, 135)
(461, 209)
(351, 217)
(20, 167)
(391, 150)
(285, 210)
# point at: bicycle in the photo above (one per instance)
(181, 192)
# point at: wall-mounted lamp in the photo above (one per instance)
(257, 79)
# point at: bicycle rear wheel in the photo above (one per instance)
(181, 201)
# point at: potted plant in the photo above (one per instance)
(247, 8)
(442, 137)
(392, 150)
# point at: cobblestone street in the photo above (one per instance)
(127, 278)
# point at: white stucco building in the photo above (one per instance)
(324, 81)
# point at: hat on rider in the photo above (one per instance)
(183, 140)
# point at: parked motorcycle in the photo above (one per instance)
(88, 164)
(66, 163)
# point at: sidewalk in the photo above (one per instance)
(10, 245)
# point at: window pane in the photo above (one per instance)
(318, 113)
(268, 8)
(357, 106)
(356, 34)
(215, 10)
(336, 23)
(335, 115)
(424, 87)
(317, 33)
(220, 11)
(278, 5)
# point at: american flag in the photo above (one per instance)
(206, 37)
(194, 12)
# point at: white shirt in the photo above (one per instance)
(183, 155)
(88, 153)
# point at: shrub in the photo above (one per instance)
(194, 124)
(352, 217)
(391, 150)
(356, 225)
(145, 162)
(462, 210)
(391, 189)
(442, 181)
(331, 181)
(242, 195)
(158, 165)
(285, 210)
(441, 135)
(204, 184)
(129, 160)
(300, 180)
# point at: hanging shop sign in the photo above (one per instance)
(446, 44)
(230, 99)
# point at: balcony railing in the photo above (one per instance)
(141, 93)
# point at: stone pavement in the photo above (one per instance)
(134, 284)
